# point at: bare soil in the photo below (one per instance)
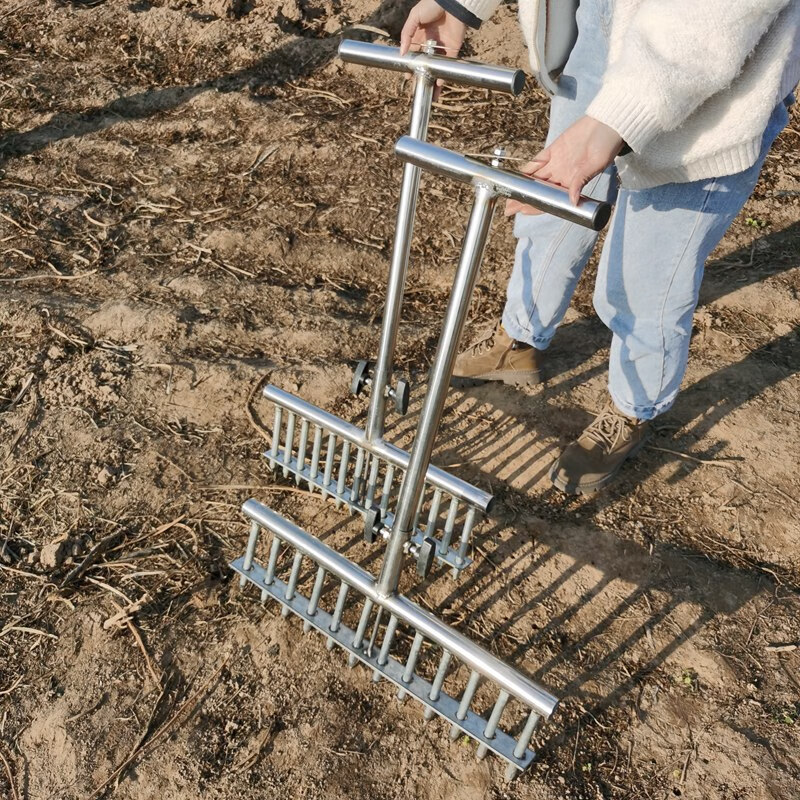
(196, 197)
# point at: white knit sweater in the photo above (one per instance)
(690, 84)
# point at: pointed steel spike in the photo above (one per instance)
(466, 531)
(313, 601)
(372, 483)
(288, 442)
(315, 454)
(387, 489)
(466, 699)
(449, 527)
(418, 512)
(355, 493)
(329, 456)
(436, 687)
(433, 515)
(249, 553)
(411, 664)
(301, 450)
(274, 549)
(343, 465)
(276, 437)
(491, 725)
(388, 637)
(361, 630)
(522, 743)
(374, 634)
(292, 584)
(337, 613)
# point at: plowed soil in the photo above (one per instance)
(196, 197)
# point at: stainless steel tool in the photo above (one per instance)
(356, 467)
(379, 612)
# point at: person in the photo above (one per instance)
(668, 109)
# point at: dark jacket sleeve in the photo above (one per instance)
(460, 13)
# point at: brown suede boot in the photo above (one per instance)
(592, 462)
(498, 357)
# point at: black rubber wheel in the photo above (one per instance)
(360, 374)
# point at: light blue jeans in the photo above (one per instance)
(651, 266)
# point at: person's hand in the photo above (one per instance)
(428, 20)
(583, 151)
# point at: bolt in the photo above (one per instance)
(500, 154)
(430, 46)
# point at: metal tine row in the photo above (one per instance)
(366, 481)
(366, 645)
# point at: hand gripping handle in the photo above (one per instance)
(469, 73)
(546, 197)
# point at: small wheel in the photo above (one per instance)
(360, 375)
(373, 522)
(425, 556)
(402, 393)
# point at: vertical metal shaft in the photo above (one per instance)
(388, 637)
(361, 630)
(407, 207)
(491, 725)
(471, 254)
(343, 465)
(411, 664)
(436, 686)
(249, 553)
(337, 612)
(466, 532)
(466, 699)
(313, 601)
(522, 743)
(288, 443)
(315, 453)
(449, 527)
(301, 450)
(292, 583)
(329, 456)
(276, 437)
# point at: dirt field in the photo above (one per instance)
(195, 197)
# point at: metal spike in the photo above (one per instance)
(374, 634)
(355, 494)
(449, 527)
(361, 630)
(315, 453)
(411, 664)
(372, 483)
(522, 743)
(418, 512)
(491, 725)
(337, 613)
(387, 489)
(276, 437)
(343, 465)
(466, 699)
(288, 442)
(329, 456)
(466, 531)
(249, 553)
(292, 584)
(436, 687)
(434, 512)
(274, 549)
(388, 637)
(301, 450)
(313, 601)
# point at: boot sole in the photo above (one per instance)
(508, 377)
(592, 487)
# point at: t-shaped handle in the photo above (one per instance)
(545, 196)
(468, 73)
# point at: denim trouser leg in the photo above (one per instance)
(551, 253)
(649, 277)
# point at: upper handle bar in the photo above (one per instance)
(470, 73)
(546, 197)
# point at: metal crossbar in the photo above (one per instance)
(378, 651)
(336, 458)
